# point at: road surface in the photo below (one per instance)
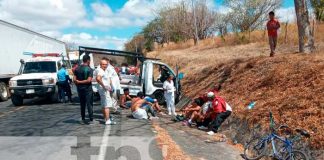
(42, 130)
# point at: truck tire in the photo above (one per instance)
(159, 95)
(4, 94)
(17, 100)
(54, 98)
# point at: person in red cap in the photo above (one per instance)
(217, 113)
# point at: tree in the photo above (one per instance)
(221, 24)
(318, 6)
(306, 39)
(248, 15)
(136, 44)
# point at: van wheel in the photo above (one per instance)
(159, 95)
(17, 100)
(4, 94)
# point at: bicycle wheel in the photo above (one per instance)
(296, 155)
(255, 149)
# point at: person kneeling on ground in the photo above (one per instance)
(217, 114)
(125, 99)
(137, 111)
(203, 98)
(191, 111)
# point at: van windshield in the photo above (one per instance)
(39, 67)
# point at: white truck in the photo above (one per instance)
(38, 77)
(17, 44)
(148, 79)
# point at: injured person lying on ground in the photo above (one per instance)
(141, 107)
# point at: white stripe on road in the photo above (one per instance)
(104, 143)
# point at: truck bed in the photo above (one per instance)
(129, 79)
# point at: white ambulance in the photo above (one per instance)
(37, 77)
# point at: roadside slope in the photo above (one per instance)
(291, 85)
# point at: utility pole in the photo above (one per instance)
(195, 21)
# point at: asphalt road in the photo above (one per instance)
(41, 130)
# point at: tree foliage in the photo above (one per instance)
(179, 22)
(248, 15)
(318, 7)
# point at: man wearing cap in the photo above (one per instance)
(217, 113)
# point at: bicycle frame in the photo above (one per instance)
(287, 146)
(278, 152)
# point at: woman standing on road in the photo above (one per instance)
(169, 90)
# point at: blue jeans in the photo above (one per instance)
(149, 109)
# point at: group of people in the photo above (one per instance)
(141, 106)
(207, 111)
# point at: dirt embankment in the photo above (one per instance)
(292, 86)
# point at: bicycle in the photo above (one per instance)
(285, 152)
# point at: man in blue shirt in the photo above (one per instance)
(63, 80)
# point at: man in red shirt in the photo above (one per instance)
(218, 112)
(203, 98)
(272, 26)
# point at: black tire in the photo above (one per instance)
(159, 95)
(255, 149)
(54, 98)
(17, 100)
(296, 155)
(4, 94)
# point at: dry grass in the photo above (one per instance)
(291, 38)
(170, 150)
(291, 84)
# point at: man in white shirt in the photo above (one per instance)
(105, 88)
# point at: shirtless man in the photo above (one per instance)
(136, 109)
(125, 99)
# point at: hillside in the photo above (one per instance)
(290, 84)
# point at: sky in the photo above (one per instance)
(96, 23)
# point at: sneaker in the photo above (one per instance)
(152, 118)
(82, 122)
(109, 122)
(202, 128)
(162, 114)
(91, 122)
(211, 133)
(185, 123)
(169, 113)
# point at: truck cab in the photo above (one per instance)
(146, 79)
(37, 77)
